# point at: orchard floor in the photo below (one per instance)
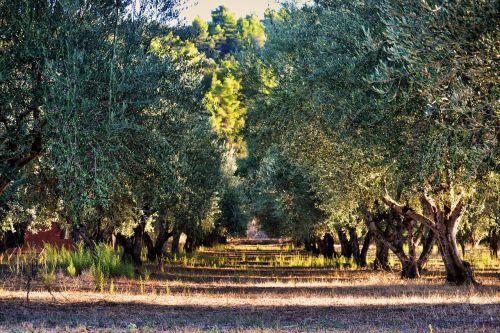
(243, 293)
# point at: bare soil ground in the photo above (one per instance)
(247, 295)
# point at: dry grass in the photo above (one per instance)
(255, 297)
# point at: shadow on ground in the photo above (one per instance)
(394, 318)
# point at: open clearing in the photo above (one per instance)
(254, 289)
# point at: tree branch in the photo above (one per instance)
(408, 212)
(373, 228)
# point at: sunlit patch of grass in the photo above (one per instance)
(310, 261)
(244, 261)
(482, 260)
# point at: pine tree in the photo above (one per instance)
(227, 114)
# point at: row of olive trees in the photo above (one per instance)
(383, 112)
(102, 129)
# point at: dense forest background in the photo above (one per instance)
(359, 122)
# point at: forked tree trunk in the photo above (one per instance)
(349, 247)
(444, 222)
(410, 269)
(410, 264)
(155, 249)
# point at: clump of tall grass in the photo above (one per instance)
(105, 261)
(98, 277)
(81, 259)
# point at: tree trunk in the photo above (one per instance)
(444, 222)
(381, 261)
(493, 240)
(457, 270)
(410, 269)
(190, 244)
(127, 245)
(307, 245)
(155, 250)
(462, 247)
(132, 246)
(428, 245)
(353, 240)
(82, 233)
(364, 249)
(409, 263)
(138, 243)
(328, 246)
(314, 245)
(345, 245)
(175, 242)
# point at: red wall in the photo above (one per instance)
(51, 236)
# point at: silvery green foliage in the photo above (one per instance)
(113, 129)
(373, 93)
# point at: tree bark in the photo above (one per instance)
(410, 269)
(428, 245)
(408, 262)
(138, 242)
(381, 257)
(132, 246)
(155, 249)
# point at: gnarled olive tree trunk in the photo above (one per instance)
(345, 245)
(350, 245)
(411, 263)
(327, 246)
(381, 261)
(444, 223)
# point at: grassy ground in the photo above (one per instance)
(250, 288)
